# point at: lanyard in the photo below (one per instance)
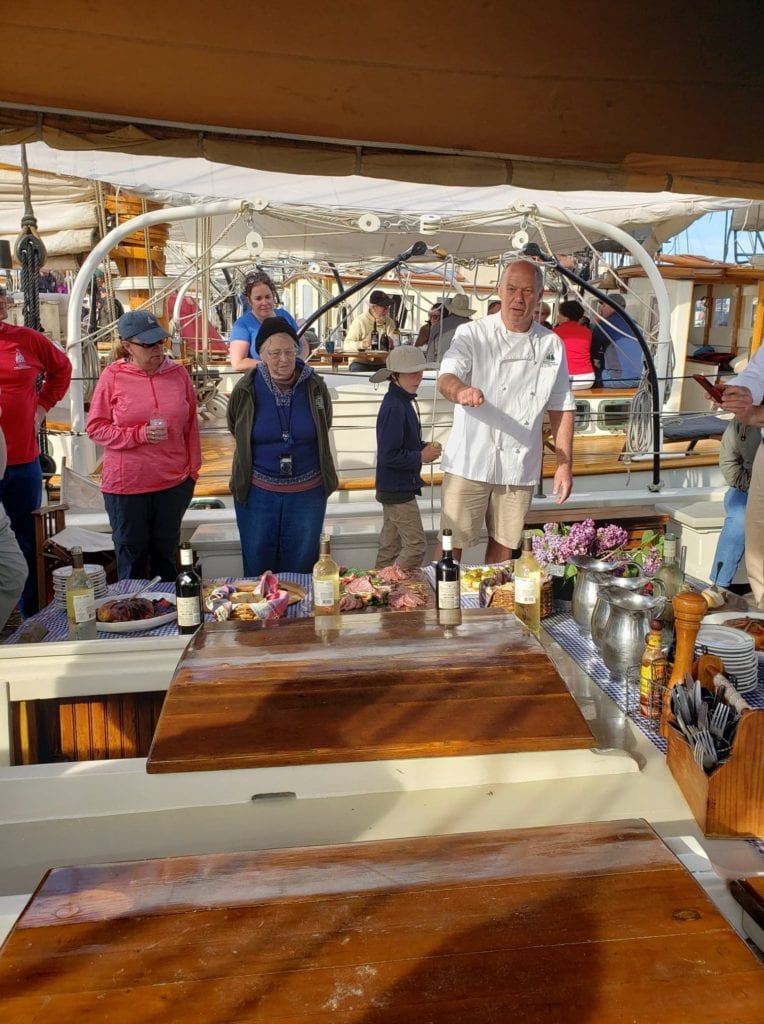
(286, 426)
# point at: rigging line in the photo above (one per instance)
(597, 255)
(149, 261)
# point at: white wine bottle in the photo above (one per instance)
(326, 581)
(528, 586)
(188, 593)
(80, 601)
(447, 575)
(671, 576)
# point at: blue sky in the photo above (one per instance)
(703, 238)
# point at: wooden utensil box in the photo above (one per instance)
(728, 803)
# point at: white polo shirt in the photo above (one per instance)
(521, 376)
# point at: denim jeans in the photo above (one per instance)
(146, 530)
(280, 531)
(731, 545)
(21, 494)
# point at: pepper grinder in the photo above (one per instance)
(689, 609)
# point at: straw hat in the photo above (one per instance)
(459, 305)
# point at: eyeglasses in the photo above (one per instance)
(280, 355)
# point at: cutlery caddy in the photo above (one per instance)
(728, 803)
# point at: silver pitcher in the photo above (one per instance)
(601, 612)
(593, 573)
(627, 626)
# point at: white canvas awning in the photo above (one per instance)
(312, 217)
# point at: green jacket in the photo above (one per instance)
(241, 414)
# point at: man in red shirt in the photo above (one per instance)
(25, 356)
(13, 568)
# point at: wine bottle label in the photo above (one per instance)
(449, 595)
(323, 593)
(84, 606)
(525, 591)
(189, 612)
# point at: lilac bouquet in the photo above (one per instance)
(557, 543)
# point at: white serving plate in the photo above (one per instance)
(718, 618)
(735, 641)
(141, 625)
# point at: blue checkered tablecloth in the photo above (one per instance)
(54, 618)
(561, 626)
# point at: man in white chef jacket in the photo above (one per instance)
(503, 372)
(743, 396)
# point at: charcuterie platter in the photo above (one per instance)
(393, 588)
(135, 613)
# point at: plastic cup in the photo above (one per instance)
(158, 426)
(329, 346)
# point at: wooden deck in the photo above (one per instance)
(591, 457)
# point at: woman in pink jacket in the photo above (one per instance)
(143, 413)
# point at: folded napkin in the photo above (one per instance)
(269, 601)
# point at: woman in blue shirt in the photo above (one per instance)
(260, 293)
(280, 414)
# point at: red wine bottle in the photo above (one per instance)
(188, 593)
(447, 575)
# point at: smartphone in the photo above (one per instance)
(709, 388)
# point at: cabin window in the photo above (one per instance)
(583, 415)
(699, 313)
(613, 415)
(721, 317)
(753, 312)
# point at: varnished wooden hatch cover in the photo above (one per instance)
(381, 686)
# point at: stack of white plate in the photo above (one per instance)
(737, 651)
(96, 575)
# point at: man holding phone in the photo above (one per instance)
(743, 397)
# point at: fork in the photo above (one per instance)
(719, 720)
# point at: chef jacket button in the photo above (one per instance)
(533, 394)
(517, 451)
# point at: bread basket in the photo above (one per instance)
(502, 595)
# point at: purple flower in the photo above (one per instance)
(653, 562)
(610, 538)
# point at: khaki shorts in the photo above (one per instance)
(467, 504)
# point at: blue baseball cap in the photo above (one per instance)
(140, 326)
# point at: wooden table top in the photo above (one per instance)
(380, 686)
(585, 923)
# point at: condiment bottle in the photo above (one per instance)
(653, 673)
(80, 601)
(326, 581)
(528, 586)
